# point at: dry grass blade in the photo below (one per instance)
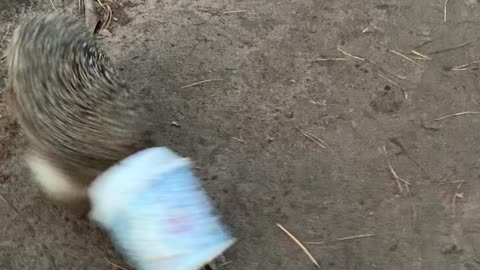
(387, 71)
(235, 11)
(330, 59)
(53, 5)
(399, 181)
(465, 67)
(342, 239)
(405, 57)
(201, 82)
(445, 11)
(452, 48)
(304, 249)
(449, 182)
(456, 196)
(241, 140)
(404, 92)
(373, 63)
(350, 55)
(8, 204)
(455, 115)
(107, 15)
(420, 56)
(313, 138)
(116, 265)
(388, 80)
(6, 34)
(91, 18)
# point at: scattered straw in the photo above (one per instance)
(373, 63)
(452, 48)
(201, 82)
(465, 67)
(234, 12)
(304, 249)
(8, 204)
(405, 57)
(445, 11)
(342, 239)
(351, 55)
(116, 265)
(455, 115)
(398, 179)
(313, 138)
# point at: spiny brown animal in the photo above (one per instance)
(78, 116)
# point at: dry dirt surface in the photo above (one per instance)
(321, 116)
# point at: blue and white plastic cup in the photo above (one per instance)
(156, 212)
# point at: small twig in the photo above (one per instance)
(455, 115)
(456, 196)
(8, 204)
(241, 140)
(116, 265)
(452, 48)
(342, 239)
(304, 249)
(445, 11)
(398, 179)
(313, 138)
(405, 57)
(201, 82)
(234, 11)
(351, 55)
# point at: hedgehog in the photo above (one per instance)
(77, 114)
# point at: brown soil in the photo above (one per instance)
(245, 130)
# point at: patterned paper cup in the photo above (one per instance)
(156, 212)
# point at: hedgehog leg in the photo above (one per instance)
(58, 185)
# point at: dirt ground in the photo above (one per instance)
(278, 82)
